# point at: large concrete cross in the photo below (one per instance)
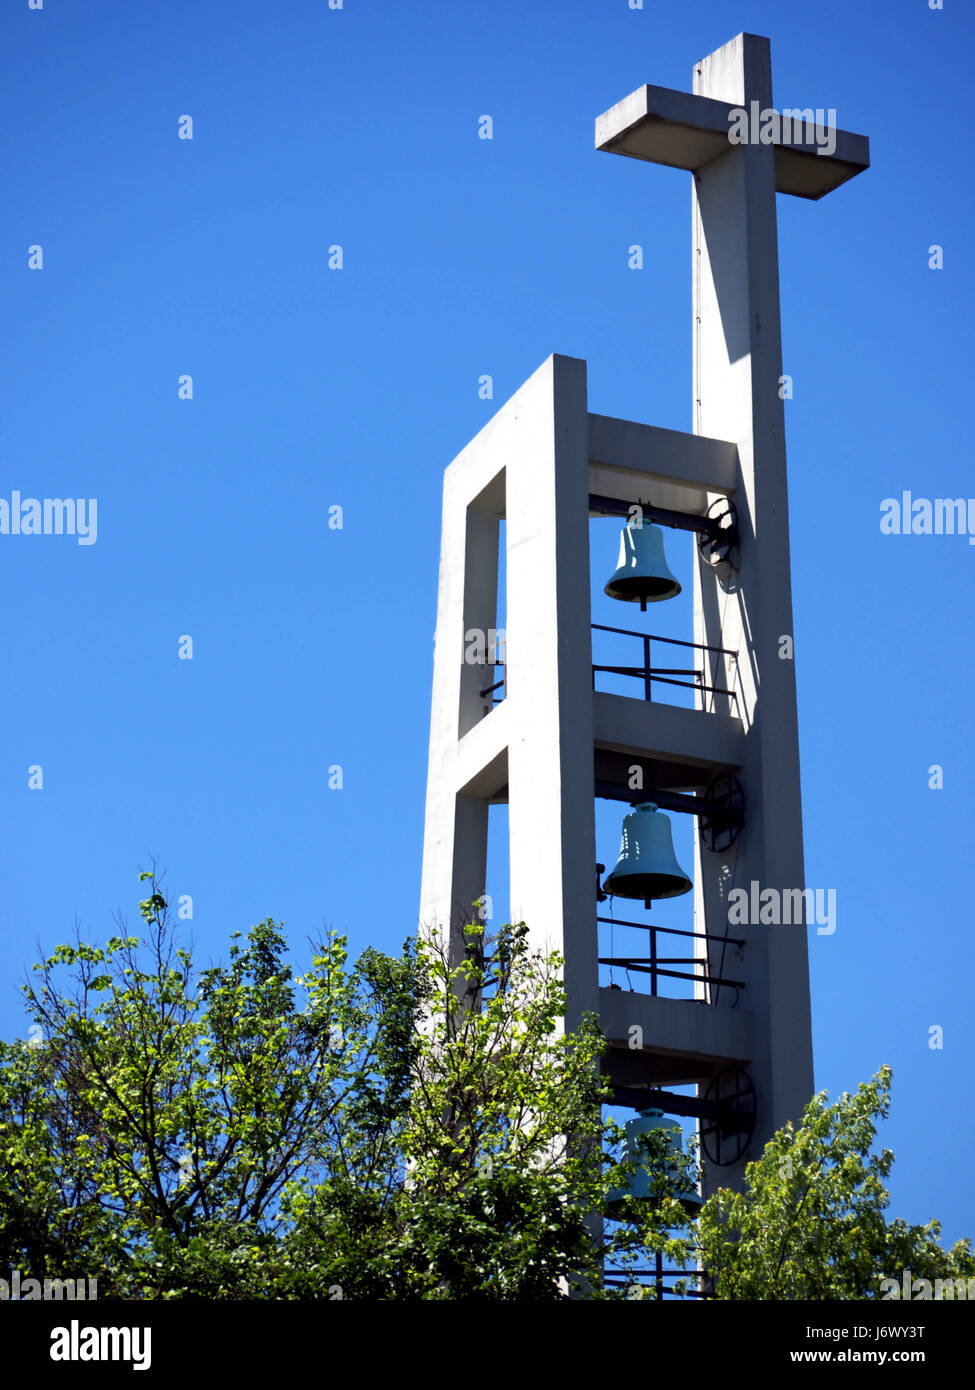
(737, 331)
(738, 397)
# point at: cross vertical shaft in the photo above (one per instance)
(737, 371)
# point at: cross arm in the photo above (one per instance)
(685, 131)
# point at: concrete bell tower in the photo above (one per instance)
(544, 740)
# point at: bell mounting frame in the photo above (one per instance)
(717, 546)
(725, 1110)
(717, 529)
(721, 824)
(720, 810)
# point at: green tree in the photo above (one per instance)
(810, 1223)
(393, 1130)
(501, 1155)
(157, 1120)
(407, 1127)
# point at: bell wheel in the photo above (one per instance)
(718, 550)
(726, 1132)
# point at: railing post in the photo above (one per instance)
(646, 668)
(653, 962)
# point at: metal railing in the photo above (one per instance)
(664, 674)
(656, 966)
(498, 685)
(655, 1275)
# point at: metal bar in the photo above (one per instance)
(647, 677)
(673, 641)
(692, 685)
(653, 960)
(673, 931)
(655, 671)
(496, 686)
(624, 962)
(666, 800)
(691, 1107)
(670, 975)
(620, 670)
(680, 521)
(619, 1283)
(689, 685)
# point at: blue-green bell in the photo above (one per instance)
(640, 1184)
(647, 867)
(643, 575)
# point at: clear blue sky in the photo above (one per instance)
(356, 387)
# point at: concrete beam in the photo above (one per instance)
(700, 1038)
(628, 460)
(482, 755)
(683, 131)
(702, 739)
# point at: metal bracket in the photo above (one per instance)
(717, 529)
(726, 1111)
(721, 824)
(600, 895)
(717, 545)
(721, 809)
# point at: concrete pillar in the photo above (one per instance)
(531, 465)
(737, 366)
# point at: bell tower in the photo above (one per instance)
(723, 1006)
